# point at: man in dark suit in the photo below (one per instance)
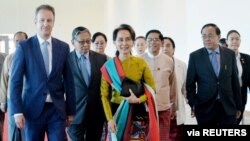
(212, 84)
(48, 100)
(88, 121)
(2, 57)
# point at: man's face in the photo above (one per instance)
(82, 42)
(44, 22)
(18, 38)
(210, 38)
(154, 43)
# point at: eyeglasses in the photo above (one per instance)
(153, 40)
(207, 37)
(99, 43)
(88, 41)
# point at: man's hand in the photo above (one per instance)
(173, 112)
(69, 120)
(192, 113)
(3, 107)
(20, 121)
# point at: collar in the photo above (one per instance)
(41, 40)
(238, 55)
(152, 56)
(78, 54)
(217, 50)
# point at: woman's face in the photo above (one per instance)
(124, 42)
(234, 41)
(167, 47)
(140, 45)
(100, 44)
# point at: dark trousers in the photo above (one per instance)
(49, 122)
(217, 116)
(176, 131)
(89, 130)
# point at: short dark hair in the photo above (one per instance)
(21, 32)
(45, 7)
(171, 40)
(124, 27)
(223, 41)
(77, 30)
(99, 34)
(140, 37)
(155, 31)
(232, 31)
(217, 30)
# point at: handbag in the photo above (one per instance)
(137, 88)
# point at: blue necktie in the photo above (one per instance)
(84, 69)
(45, 53)
(215, 62)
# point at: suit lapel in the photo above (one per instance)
(243, 59)
(55, 52)
(76, 67)
(223, 65)
(38, 54)
(92, 66)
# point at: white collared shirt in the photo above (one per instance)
(239, 67)
(40, 40)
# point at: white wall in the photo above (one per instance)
(227, 14)
(179, 19)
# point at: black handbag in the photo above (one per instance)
(137, 88)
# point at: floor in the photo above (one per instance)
(246, 117)
(5, 132)
(189, 119)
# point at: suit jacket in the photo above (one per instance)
(2, 57)
(203, 86)
(181, 74)
(28, 62)
(245, 62)
(88, 98)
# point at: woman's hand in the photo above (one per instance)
(112, 126)
(132, 98)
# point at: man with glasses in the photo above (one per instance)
(212, 83)
(89, 119)
(162, 68)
